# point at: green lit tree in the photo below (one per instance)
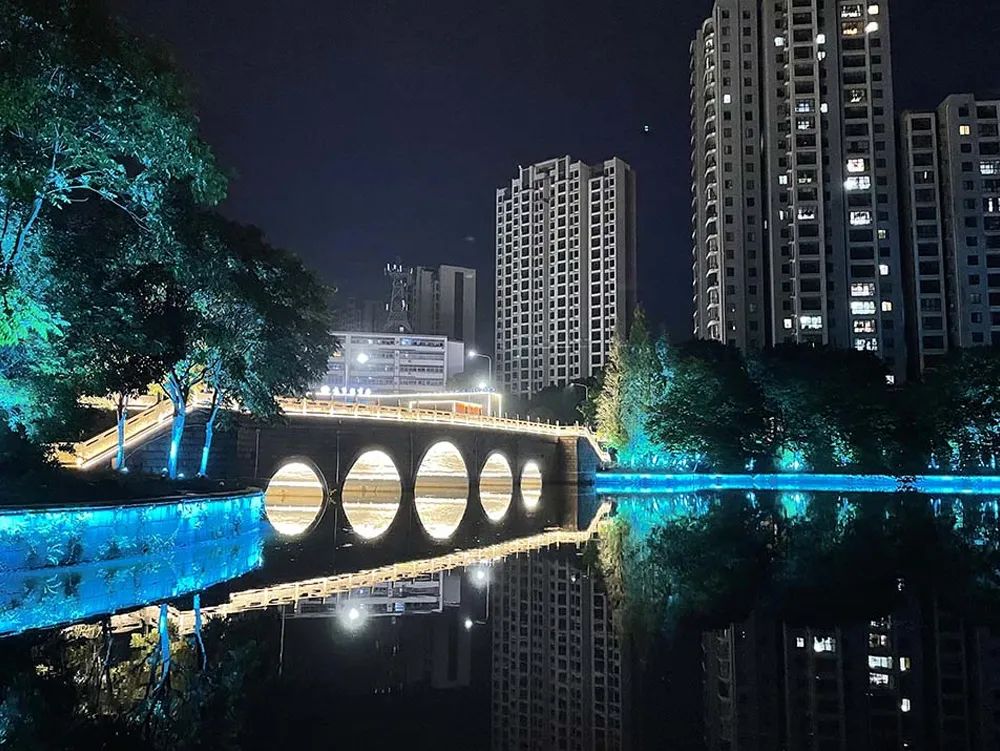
(87, 112)
(261, 328)
(610, 426)
(711, 408)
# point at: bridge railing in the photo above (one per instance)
(100, 448)
(423, 416)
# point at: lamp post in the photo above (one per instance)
(585, 387)
(489, 361)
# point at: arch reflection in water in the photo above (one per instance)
(531, 485)
(496, 486)
(371, 494)
(442, 490)
(294, 498)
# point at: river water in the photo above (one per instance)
(706, 619)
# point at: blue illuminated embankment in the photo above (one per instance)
(59, 566)
(45, 538)
(615, 483)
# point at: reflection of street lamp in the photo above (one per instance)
(483, 385)
(362, 358)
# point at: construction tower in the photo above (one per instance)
(397, 320)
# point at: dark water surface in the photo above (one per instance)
(691, 637)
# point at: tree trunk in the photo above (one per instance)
(121, 413)
(177, 398)
(210, 431)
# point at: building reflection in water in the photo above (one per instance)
(557, 664)
(919, 678)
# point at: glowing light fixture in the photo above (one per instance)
(362, 358)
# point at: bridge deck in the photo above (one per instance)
(101, 448)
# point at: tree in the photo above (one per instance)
(642, 384)
(610, 426)
(831, 408)
(261, 327)
(125, 315)
(711, 408)
(87, 112)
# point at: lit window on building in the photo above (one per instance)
(862, 289)
(876, 641)
(886, 306)
(861, 218)
(824, 107)
(852, 10)
(866, 344)
(883, 234)
(873, 9)
(821, 39)
(852, 29)
(904, 664)
(858, 182)
(800, 642)
(805, 123)
(871, 27)
(788, 323)
(904, 705)
(878, 679)
(811, 322)
(825, 644)
(857, 96)
(803, 106)
(727, 98)
(862, 307)
(989, 167)
(782, 179)
(991, 205)
(807, 212)
(856, 165)
(864, 325)
(965, 130)
(879, 661)
(779, 41)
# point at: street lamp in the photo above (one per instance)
(489, 360)
(585, 387)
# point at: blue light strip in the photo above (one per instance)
(615, 483)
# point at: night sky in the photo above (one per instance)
(360, 131)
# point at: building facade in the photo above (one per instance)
(794, 177)
(443, 302)
(389, 363)
(950, 170)
(565, 271)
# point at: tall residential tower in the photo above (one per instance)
(794, 177)
(950, 165)
(565, 270)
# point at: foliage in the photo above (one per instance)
(830, 407)
(711, 407)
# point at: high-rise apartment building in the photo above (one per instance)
(794, 177)
(443, 302)
(565, 270)
(950, 169)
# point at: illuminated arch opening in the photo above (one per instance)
(441, 490)
(294, 498)
(371, 494)
(496, 486)
(531, 485)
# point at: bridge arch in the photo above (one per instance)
(441, 489)
(295, 497)
(496, 486)
(371, 493)
(531, 485)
